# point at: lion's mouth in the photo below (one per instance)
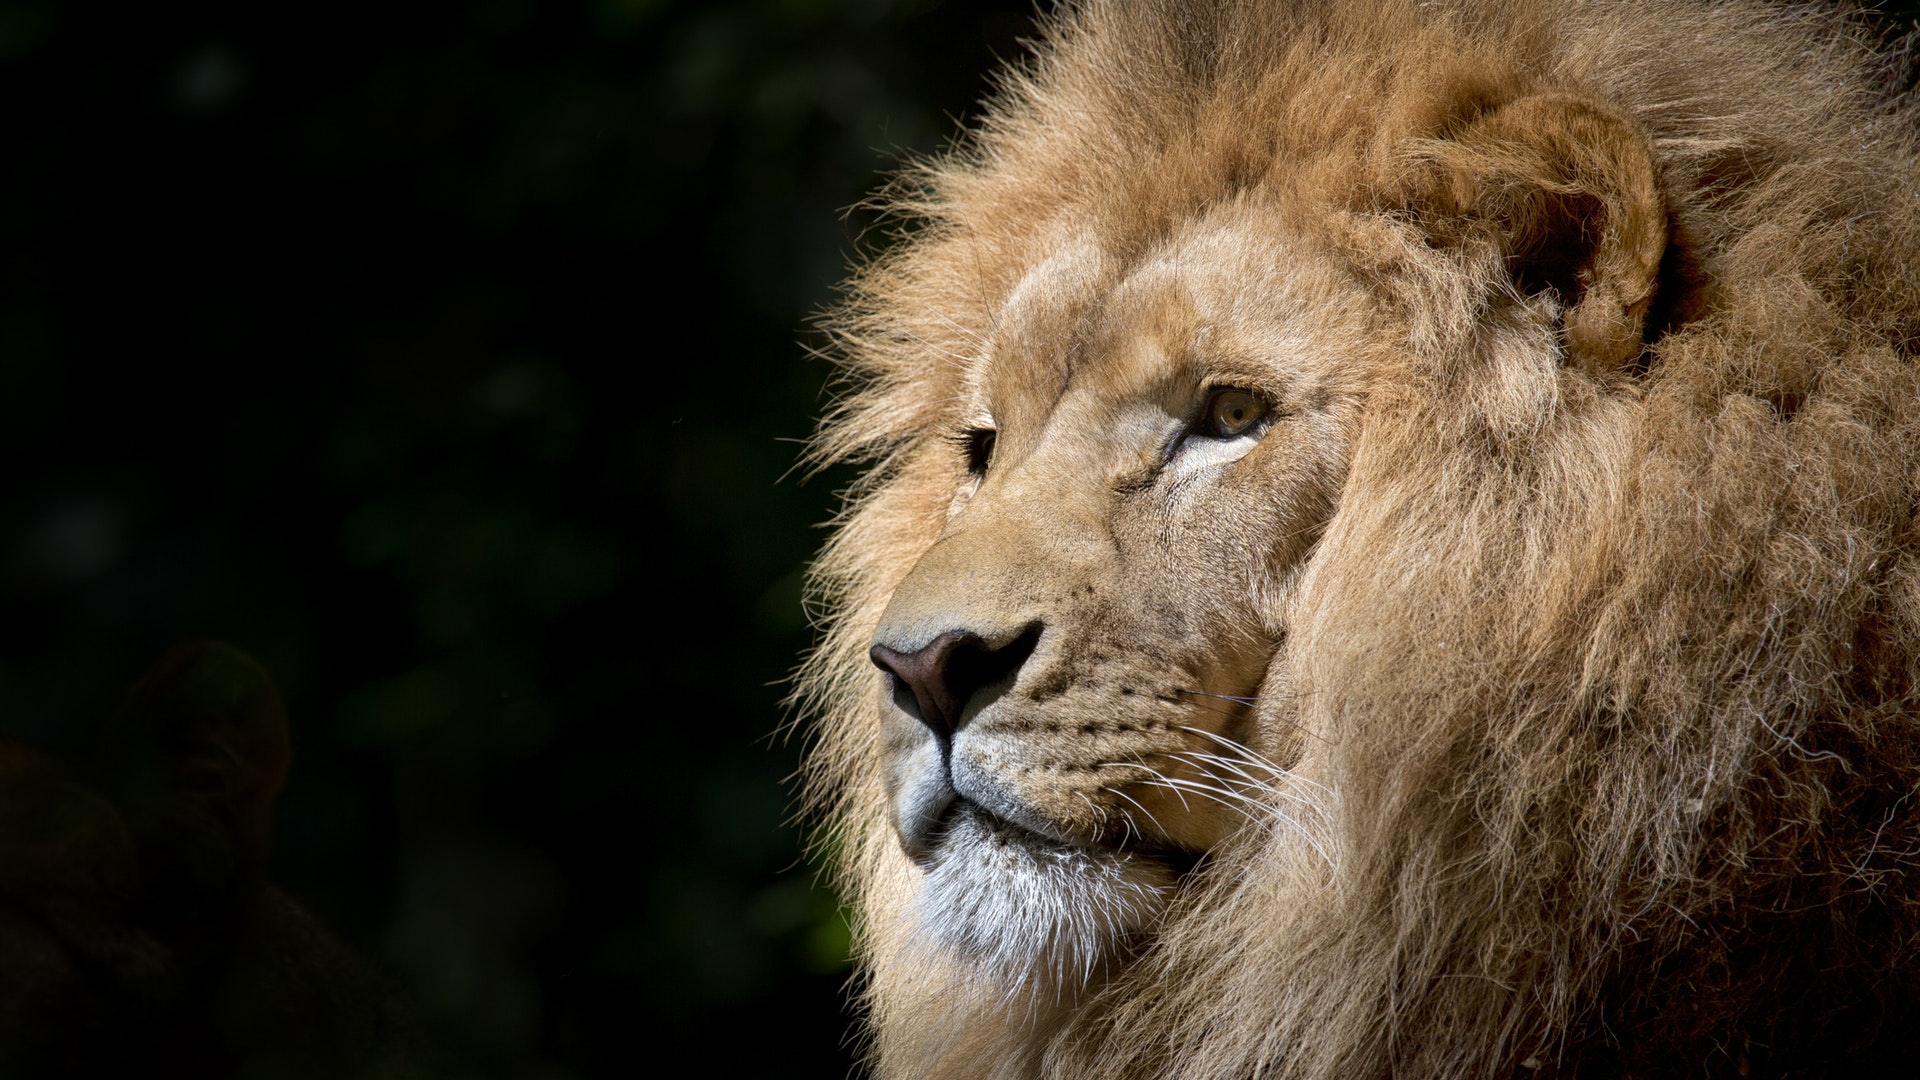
(1029, 906)
(962, 822)
(965, 821)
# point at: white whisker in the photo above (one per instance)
(1162, 829)
(1142, 766)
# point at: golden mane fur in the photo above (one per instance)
(1590, 698)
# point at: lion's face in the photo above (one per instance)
(1083, 666)
(1388, 551)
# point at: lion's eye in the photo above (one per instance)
(1231, 413)
(979, 446)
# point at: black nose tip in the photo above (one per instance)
(945, 674)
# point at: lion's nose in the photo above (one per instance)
(945, 674)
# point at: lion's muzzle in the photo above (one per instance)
(947, 673)
(942, 684)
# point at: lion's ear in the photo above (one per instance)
(1565, 188)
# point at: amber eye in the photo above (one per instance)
(1230, 413)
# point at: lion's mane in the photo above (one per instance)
(1614, 688)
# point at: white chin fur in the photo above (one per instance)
(1029, 914)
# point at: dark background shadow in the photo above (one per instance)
(448, 357)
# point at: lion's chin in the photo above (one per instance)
(1029, 913)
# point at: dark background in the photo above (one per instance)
(436, 354)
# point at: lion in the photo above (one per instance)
(1387, 548)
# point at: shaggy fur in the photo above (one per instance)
(1559, 623)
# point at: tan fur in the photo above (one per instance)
(1532, 692)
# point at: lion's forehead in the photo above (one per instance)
(1227, 299)
(1031, 332)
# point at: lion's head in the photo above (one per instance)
(1388, 552)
